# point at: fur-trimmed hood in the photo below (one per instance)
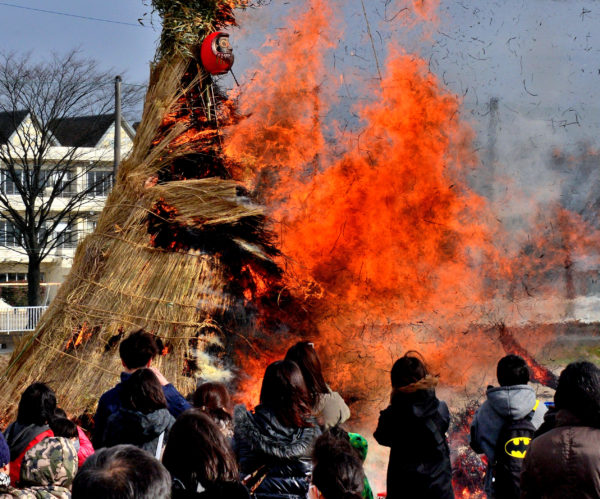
(264, 433)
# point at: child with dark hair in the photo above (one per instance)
(338, 438)
(337, 471)
(137, 351)
(328, 406)
(414, 425)
(83, 445)
(565, 461)
(214, 400)
(143, 419)
(512, 401)
(200, 460)
(36, 409)
(63, 427)
(273, 444)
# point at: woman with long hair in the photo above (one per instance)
(214, 400)
(143, 419)
(328, 406)
(414, 425)
(36, 409)
(274, 443)
(200, 459)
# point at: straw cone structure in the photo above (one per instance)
(166, 245)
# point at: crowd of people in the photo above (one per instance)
(148, 441)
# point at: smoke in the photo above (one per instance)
(406, 224)
(410, 216)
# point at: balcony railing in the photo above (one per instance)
(17, 319)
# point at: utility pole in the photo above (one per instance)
(117, 141)
(491, 155)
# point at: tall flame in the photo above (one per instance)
(383, 236)
(384, 241)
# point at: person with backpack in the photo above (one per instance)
(504, 425)
(143, 419)
(137, 351)
(414, 425)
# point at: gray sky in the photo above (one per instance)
(510, 49)
(125, 48)
(538, 57)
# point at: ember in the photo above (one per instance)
(468, 468)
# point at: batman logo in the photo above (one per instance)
(517, 447)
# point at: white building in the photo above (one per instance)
(89, 143)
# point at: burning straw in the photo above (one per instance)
(162, 254)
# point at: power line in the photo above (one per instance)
(137, 25)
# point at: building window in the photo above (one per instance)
(44, 179)
(68, 184)
(99, 183)
(7, 181)
(16, 277)
(9, 235)
(66, 236)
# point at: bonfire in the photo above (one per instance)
(180, 248)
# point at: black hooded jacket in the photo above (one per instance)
(142, 430)
(414, 426)
(283, 454)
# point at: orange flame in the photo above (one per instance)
(79, 336)
(382, 226)
(386, 233)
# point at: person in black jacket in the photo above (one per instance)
(414, 425)
(143, 419)
(274, 443)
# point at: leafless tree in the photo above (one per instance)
(41, 179)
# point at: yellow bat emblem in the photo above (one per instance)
(517, 447)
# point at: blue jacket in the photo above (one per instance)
(110, 403)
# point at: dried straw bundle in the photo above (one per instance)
(121, 281)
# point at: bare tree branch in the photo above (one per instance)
(46, 162)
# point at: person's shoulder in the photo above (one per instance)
(443, 409)
(110, 396)
(243, 420)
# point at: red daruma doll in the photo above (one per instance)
(216, 53)
(414, 425)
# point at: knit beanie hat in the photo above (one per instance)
(4, 452)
